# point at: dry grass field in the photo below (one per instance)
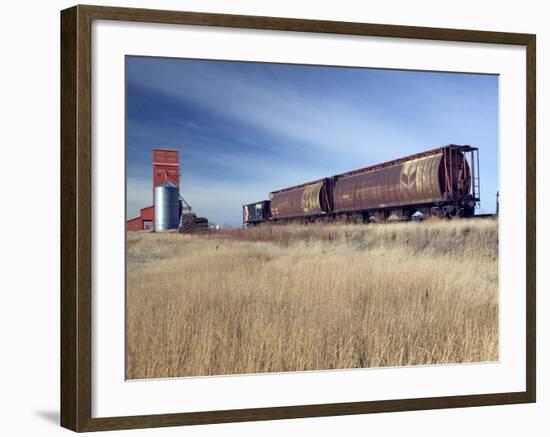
(292, 298)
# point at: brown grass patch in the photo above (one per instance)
(291, 298)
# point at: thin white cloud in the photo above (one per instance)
(347, 124)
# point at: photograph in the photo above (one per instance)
(295, 217)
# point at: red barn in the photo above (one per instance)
(135, 224)
(148, 217)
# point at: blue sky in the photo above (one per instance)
(245, 129)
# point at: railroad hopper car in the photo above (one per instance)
(307, 200)
(438, 182)
(442, 182)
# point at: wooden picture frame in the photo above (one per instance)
(76, 218)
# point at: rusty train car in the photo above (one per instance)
(442, 182)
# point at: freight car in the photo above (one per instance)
(301, 201)
(442, 182)
(255, 213)
(438, 182)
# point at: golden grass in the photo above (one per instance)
(293, 298)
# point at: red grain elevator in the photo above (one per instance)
(166, 168)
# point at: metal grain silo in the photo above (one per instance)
(167, 209)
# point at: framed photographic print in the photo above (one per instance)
(268, 218)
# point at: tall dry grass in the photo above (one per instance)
(293, 298)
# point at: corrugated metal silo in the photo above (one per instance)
(167, 209)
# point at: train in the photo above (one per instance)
(442, 182)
